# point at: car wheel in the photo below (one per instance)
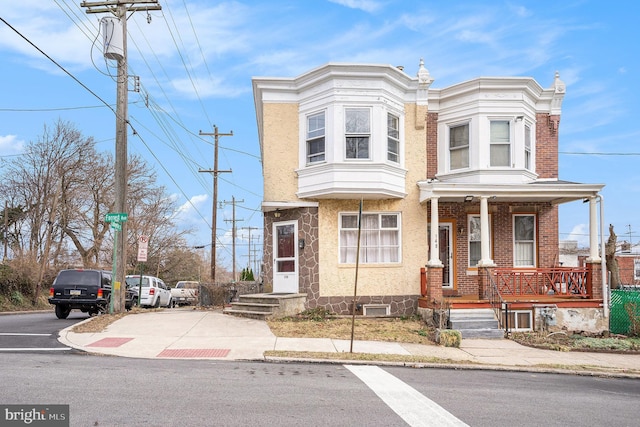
(157, 304)
(134, 302)
(62, 311)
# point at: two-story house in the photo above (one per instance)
(417, 195)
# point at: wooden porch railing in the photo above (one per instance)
(558, 281)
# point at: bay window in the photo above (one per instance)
(393, 138)
(459, 146)
(500, 141)
(315, 138)
(357, 133)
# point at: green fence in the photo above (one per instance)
(625, 311)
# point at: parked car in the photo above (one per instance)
(185, 292)
(87, 290)
(154, 291)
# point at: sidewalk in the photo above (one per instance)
(194, 334)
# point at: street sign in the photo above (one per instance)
(143, 244)
(116, 226)
(116, 217)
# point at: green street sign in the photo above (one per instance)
(116, 226)
(116, 217)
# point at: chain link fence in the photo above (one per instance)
(625, 311)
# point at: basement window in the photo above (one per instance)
(519, 320)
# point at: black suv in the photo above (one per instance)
(85, 290)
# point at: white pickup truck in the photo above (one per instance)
(185, 293)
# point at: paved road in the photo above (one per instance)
(116, 391)
(35, 331)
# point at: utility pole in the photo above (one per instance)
(119, 9)
(6, 229)
(249, 252)
(233, 233)
(215, 173)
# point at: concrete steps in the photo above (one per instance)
(475, 323)
(266, 306)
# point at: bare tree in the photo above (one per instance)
(612, 262)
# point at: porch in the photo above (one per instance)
(521, 298)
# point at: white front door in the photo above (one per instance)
(285, 260)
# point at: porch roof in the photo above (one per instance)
(552, 191)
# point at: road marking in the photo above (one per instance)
(35, 349)
(17, 334)
(404, 400)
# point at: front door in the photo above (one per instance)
(285, 260)
(446, 253)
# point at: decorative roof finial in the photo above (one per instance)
(424, 78)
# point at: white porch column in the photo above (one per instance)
(485, 249)
(593, 231)
(434, 238)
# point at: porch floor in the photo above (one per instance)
(472, 301)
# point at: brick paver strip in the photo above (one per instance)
(194, 352)
(110, 342)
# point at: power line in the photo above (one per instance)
(59, 66)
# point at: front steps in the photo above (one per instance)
(267, 306)
(475, 323)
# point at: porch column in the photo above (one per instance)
(434, 238)
(485, 250)
(593, 232)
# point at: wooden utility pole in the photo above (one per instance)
(233, 233)
(249, 252)
(119, 9)
(215, 173)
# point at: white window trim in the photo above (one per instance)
(345, 135)
(450, 126)
(535, 239)
(510, 143)
(398, 139)
(307, 139)
(361, 261)
(515, 317)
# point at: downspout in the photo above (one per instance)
(603, 261)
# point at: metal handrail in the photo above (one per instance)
(498, 304)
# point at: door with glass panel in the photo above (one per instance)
(446, 254)
(285, 259)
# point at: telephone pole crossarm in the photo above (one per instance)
(110, 6)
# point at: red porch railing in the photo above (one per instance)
(557, 281)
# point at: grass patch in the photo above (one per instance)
(402, 329)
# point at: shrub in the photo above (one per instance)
(449, 338)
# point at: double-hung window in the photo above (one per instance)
(357, 133)
(379, 238)
(500, 140)
(527, 147)
(315, 138)
(393, 138)
(524, 240)
(475, 242)
(459, 146)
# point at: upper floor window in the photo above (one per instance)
(393, 138)
(459, 146)
(527, 147)
(315, 138)
(500, 140)
(357, 133)
(524, 240)
(379, 238)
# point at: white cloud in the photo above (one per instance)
(580, 233)
(369, 6)
(10, 145)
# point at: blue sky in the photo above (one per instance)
(195, 60)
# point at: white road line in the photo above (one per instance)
(36, 349)
(18, 334)
(404, 400)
